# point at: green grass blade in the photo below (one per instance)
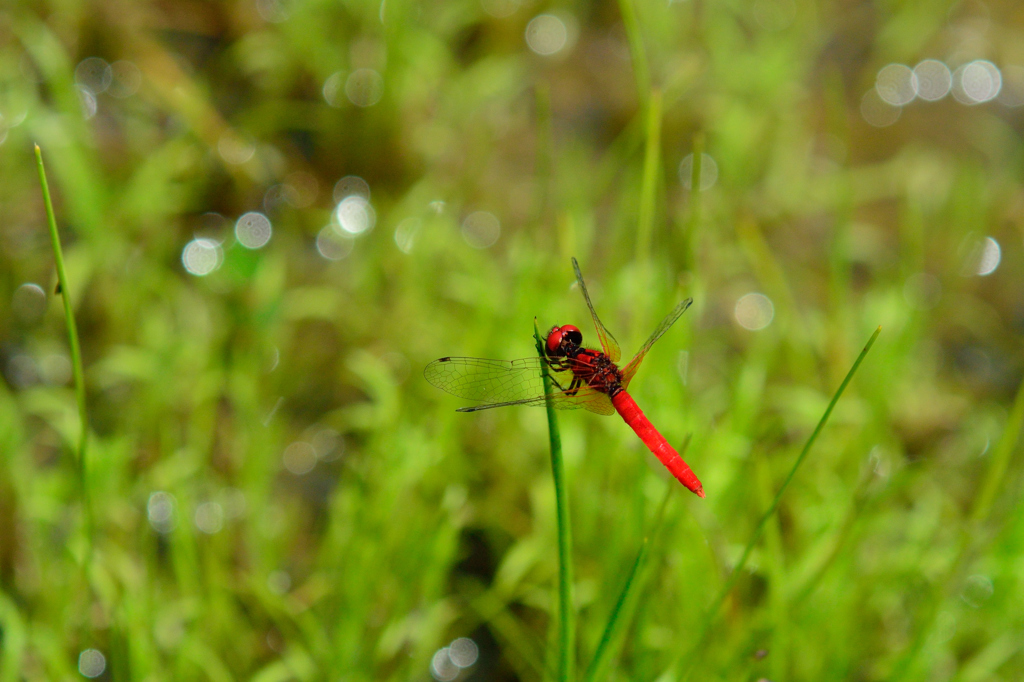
(996, 474)
(76, 352)
(641, 71)
(759, 530)
(566, 617)
(623, 606)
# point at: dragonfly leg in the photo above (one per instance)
(574, 387)
(557, 364)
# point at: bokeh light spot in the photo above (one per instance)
(481, 229)
(328, 444)
(28, 303)
(87, 99)
(754, 311)
(55, 368)
(209, 517)
(253, 230)
(299, 458)
(546, 34)
(95, 74)
(333, 88)
(22, 370)
(977, 590)
(933, 80)
(708, 172)
(876, 111)
(351, 186)
(91, 663)
(463, 652)
(235, 149)
(405, 234)
(126, 79)
(276, 196)
(332, 245)
(355, 215)
(977, 82)
(984, 257)
(279, 582)
(442, 668)
(896, 84)
(161, 511)
(201, 256)
(364, 87)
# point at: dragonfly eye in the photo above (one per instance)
(559, 336)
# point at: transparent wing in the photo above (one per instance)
(634, 364)
(608, 344)
(500, 383)
(586, 397)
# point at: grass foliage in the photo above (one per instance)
(276, 494)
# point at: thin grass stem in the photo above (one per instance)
(76, 352)
(641, 72)
(566, 617)
(716, 605)
(996, 474)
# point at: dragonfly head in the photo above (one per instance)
(562, 339)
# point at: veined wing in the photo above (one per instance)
(634, 364)
(499, 383)
(608, 344)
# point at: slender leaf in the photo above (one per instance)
(566, 617)
(76, 352)
(737, 570)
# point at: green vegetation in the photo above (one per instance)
(272, 492)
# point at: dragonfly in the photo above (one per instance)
(583, 377)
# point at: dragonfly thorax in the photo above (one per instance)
(597, 370)
(588, 366)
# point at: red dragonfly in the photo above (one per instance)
(583, 377)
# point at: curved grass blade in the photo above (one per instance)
(76, 353)
(712, 613)
(566, 617)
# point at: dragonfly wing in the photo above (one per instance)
(586, 397)
(608, 344)
(500, 383)
(488, 381)
(595, 401)
(634, 364)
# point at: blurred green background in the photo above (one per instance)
(276, 212)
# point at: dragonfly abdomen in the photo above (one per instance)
(666, 454)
